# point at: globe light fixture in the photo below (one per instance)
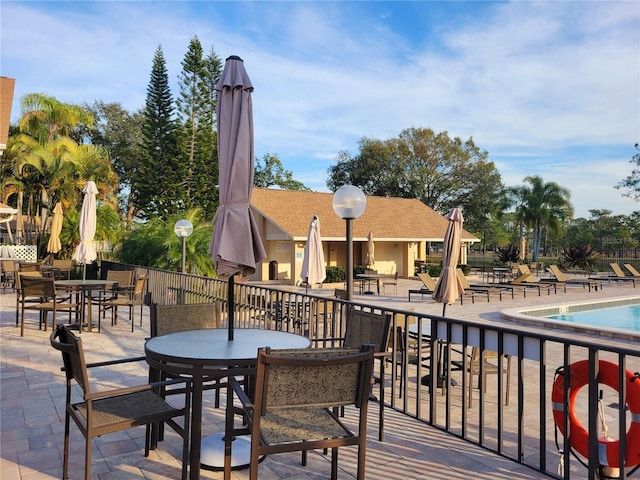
(183, 228)
(349, 202)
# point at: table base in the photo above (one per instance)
(212, 453)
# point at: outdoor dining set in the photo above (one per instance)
(290, 394)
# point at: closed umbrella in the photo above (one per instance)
(86, 250)
(523, 248)
(370, 260)
(313, 269)
(236, 246)
(448, 288)
(56, 227)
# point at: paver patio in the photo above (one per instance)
(32, 410)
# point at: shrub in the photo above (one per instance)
(510, 253)
(334, 275)
(582, 256)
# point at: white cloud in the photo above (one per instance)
(529, 81)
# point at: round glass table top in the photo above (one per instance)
(213, 344)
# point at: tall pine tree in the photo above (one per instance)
(196, 109)
(157, 185)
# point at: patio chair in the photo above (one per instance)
(108, 411)
(130, 299)
(408, 349)
(39, 293)
(295, 408)
(166, 319)
(123, 283)
(8, 274)
(371, 329)
(391, 281)
(485, 364)
(563, 277)
(428, 285)
(62, 268)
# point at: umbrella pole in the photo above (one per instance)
(231, 307)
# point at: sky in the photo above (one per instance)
(547, 88)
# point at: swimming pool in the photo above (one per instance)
(615, 318)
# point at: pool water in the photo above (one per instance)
(626, 317)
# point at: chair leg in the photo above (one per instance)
(334, 463)
(87, 458)
(65, 455)
(131, 316)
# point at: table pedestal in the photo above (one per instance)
(212, 453)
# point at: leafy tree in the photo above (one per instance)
(632, 183)
(154, 243)
(542, 205)
(440, 171)
(155, 186)
(119, 132)
(269, 171)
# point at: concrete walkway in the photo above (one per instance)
(32, 411)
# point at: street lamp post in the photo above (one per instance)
(349, 203)
(183, 228)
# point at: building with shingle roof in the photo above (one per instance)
(404, 230)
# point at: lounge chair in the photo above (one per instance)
(428, 285)
(632, 270)
(472, 290)
(555, 283)
(523, 282)
(618, 275)
(563, 277)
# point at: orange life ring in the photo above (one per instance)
(608, 450)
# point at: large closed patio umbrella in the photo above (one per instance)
(236, 246)
(54, 246)
(313, 269)
(86, 251)
(448, 288)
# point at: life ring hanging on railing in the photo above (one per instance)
(608, 450)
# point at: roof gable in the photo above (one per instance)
(388, 218)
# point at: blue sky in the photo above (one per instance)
(547, 88)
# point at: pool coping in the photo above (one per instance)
(535, 316)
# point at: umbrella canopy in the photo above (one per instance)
(448, 288)
(56, 227)
(313, 269)
(236, 246)
(86, 250)
(370, 260)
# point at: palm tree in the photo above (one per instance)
(46, 118)
(541, 205)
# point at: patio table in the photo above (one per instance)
(209, 353)
(368, 278)
(83, 287)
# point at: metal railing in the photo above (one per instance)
(510, 413)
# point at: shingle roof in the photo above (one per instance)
(390, 219)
